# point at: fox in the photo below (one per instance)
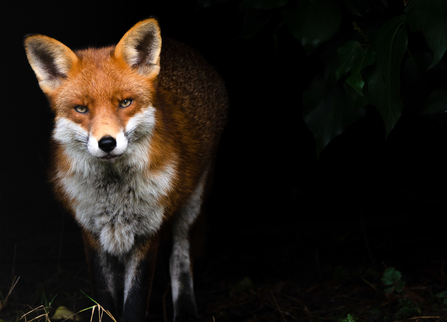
(134, 140)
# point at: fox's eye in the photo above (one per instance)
(126, 103)
(81, 109)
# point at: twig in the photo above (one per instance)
(421, 317)
(93, 311)
(372, 286)
(279, 309)
(41, 307)
(14, 283)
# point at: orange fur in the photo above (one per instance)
(136, 131)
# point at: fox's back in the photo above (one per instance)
(193, 85)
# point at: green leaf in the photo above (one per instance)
(430, 17)
(356, 82)
(389, 43)
(355, 99)
(346, 55)
(262, 4)
(352, 57)
(436, 102)
(442, 295)
(391, 278)
(313, 22)
(327, 117)
(349, 318)
(367, 57)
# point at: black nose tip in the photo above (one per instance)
(107, 144)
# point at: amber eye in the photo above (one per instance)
(81, 109)
(126, 103)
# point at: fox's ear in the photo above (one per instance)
(140, 47)
(50, 60)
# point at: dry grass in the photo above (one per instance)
(13, 285)
(43, 312)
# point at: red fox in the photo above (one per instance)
(135, 135)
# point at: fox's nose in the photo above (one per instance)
(107, 144)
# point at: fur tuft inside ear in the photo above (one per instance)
(140, 47)
(50, 59)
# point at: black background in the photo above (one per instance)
(275, 210)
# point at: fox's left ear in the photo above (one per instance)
(140, 47)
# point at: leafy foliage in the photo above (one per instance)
(430, 18)
(443, 296)
(389, 44)
(391, 278)
(354, 58)
(349, 318)
(369, 40)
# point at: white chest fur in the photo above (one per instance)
(116, 201)
(119, 207)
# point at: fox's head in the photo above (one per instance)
(102, 98)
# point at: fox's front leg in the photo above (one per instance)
(138, 275)
(104, 271)
(122, 284)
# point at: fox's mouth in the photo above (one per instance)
(109, 158)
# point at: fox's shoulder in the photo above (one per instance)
(188, 77)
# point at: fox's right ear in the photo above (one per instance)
(50, 59)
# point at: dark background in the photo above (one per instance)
(275, 211)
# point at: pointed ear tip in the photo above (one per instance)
(28, 38)
(31, 39)
(151, 21)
